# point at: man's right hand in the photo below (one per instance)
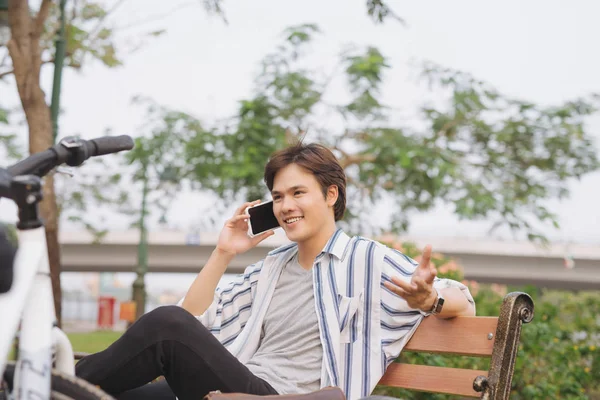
(234, 238)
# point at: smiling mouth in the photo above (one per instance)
(292, 220)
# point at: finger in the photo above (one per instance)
(242, 208)
(406, 286)
(236, 221)
(257, 239)
(425, 258)
(238, 218)
(395, 289)
(422, 285)
(433, 273)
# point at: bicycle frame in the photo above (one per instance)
(31, 297)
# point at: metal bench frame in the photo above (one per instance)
(493, 337)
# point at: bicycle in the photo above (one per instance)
(45, 366)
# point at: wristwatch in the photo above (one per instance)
(438, 304)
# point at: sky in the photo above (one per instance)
(540, 51)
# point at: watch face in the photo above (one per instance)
(438, 306)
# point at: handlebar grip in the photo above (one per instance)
(109, 145)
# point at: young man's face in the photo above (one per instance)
(299, 204)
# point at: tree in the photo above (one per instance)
(490, 156)
(140, 185)
(114, 184)
(83, 197)
(25, 52)
(88, 36)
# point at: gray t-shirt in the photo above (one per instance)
(289, 356)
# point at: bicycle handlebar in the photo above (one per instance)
(70, 151)
(110, 144)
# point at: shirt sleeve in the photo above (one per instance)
(398, 320)
(232, 304)
(448, 283)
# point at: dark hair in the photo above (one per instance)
(317, 159)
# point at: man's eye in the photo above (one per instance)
(298, 192)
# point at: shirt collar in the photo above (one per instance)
(336, 246)
(337, 243)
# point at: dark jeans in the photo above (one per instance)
(168, 341)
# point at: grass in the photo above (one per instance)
(92, 342)
(88, 342)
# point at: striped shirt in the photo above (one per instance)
(362, 325)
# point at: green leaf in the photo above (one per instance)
(379, 11)
(300, 34)
(365, 72)
(489, 156)
(157, 33)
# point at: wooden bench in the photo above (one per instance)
(493, 337)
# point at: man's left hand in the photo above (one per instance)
(419, 293)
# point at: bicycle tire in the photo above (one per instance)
(63, 387)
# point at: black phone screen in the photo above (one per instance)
(262, 218)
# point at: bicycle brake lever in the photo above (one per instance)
(64, 171)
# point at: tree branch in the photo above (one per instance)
(20, 46)
(101, 20)
(98, 26)
(348, 159)
(20, 20)
(12, 71)
(19, 43)
(388, 185)
(447, 126)
(359, 185)
(38, 28)
(18, 60)
(355, 159)
(378, 10)
(157, 17)
(41, 18)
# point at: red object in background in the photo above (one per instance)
(106, 314)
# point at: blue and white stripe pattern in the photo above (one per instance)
(363, 326)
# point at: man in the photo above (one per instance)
(325, 310)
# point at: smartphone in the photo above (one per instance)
(262, 219)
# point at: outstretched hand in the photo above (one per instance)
(419, 293)
(234, 238)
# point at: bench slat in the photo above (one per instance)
(466, 336)
(432, 379)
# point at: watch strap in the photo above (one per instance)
(437, 305)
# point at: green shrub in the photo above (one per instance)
(559, 354)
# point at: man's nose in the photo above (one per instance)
(287, 205)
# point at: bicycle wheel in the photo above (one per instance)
(63, 387)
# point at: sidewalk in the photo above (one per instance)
(89, 326)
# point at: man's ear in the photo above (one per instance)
(332, 195)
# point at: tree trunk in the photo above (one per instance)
(37, 113)
(50, 214)
(25, 52)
